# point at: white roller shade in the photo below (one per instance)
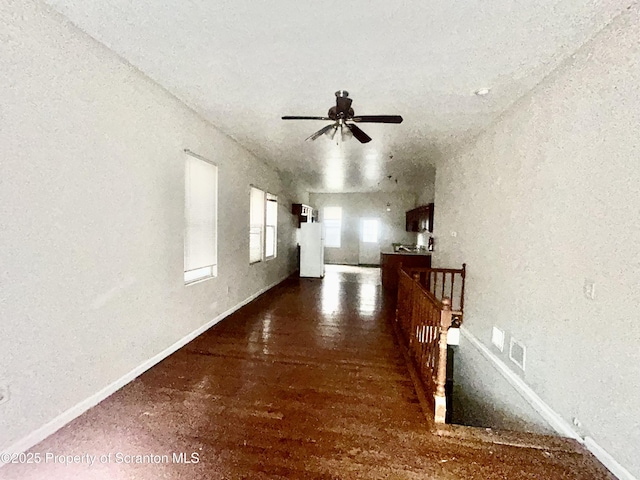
(271, 229)
(370, 230)
(332, 226)
(200, 235)
(256, 224)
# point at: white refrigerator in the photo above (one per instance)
(311, 240)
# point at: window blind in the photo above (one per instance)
(332, 226)
(271, 227)
(370, 228)
(256, 224)
(200, 234)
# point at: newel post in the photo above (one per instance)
(441, 379)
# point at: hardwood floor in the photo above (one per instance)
(306, 382)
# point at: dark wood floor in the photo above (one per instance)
(304, 383)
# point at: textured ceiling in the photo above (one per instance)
(243, 64)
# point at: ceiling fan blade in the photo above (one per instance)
(359, 134)
(304, 118)
(320, 132)
(378, 119)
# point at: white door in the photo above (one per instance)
(311, 250)
(369, 251)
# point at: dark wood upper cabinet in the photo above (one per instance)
(305, 213)
(420, 219)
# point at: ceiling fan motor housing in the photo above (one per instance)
(333, 114)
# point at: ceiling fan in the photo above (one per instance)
(343, 113)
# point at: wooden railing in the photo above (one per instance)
(423, 316)
(443, 283)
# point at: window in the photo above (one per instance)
(332, 226)
(370, 227)
(270, 241)
(263, 225)
(256, 224)
(200, 213)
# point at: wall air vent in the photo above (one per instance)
(517, 353)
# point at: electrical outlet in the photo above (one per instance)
(454, 234)
(577, 422)
(4, 394)
(497, 338)
(589, 289)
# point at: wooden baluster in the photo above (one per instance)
(463, 275)
(400, 292)
(416, 323)
(421, 322)
(444, 281)
(434, 320)
(399, 303)
(414, 306)
(406, 320)
(435, 283)
(453, 276)
(440, 396)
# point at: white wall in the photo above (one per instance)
(546, 198)
(358, 205)
(482, 397)
(426, 196)
(428, 192)
(91, 218)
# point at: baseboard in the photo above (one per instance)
(561, 426)
(64, 418)
(556, 422)
(607, 460)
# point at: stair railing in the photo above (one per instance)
(423, 316)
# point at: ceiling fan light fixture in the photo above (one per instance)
(332, 132)
(346, 132)
(342, 113)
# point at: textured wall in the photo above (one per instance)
(91, 218)
(428, 192)
(482, 397)
(358, 205)
(546, 198)
(426, 196)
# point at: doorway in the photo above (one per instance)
(369, 247)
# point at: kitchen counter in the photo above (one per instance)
(391, 252)
(390, 261)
